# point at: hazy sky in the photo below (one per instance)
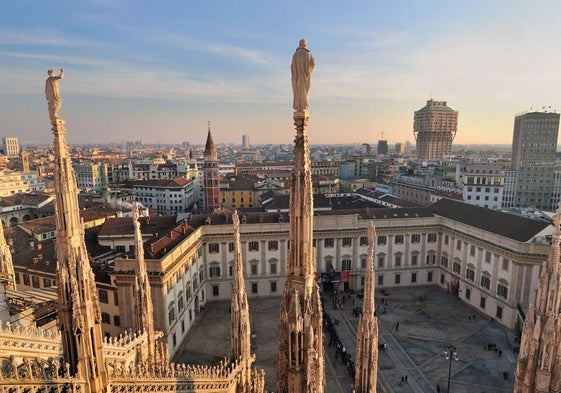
(159, 70)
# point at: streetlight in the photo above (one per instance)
(450, 353)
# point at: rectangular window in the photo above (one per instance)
(380, 280)
(363, 262)
(116, 320)
(457, 268)
(328, 243)
(363, 241)
(381, 240)
(347, 241)
(413, 277)
(499, 313)
(482, 302)
(468, 293)
(415, 238)
(397, 259)
(231, 247)
(487, 256)
(398, 278)
(253, 246)
(398, 239)
(116, 298)
(505, 264)
(470, 275)
(214, 248)
(429, 276)
(230, 270)
(502, 291)
(273, 245)
(444, 261)
(253, 287)
(458, 245)
(214, 271)
(180, 303)
(442, 278)
(105, 318)
(472, 250)
(431, 238)
(381, 261)
(431, 259)
(273, 286)
(273, 268)
(215, 290)
(254, 269)
(446, 239)
(103, 298)
(485, 282)
(414, 259)
(346, 264)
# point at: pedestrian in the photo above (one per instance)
(397, 326)
(437, 388)
(500, 353)
(405, 377)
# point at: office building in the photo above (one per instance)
(534, 150)
(434, 127)
(10, 146)
(245, 141)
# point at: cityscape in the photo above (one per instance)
(395, 240)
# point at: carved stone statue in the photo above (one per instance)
(52, 92)
(302, 67)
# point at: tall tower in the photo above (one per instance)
(539, 362)
(300, 363)
(7, 274)
(143, 308)
(367, 333)
(534, 151)
(434, 128)
(211, 188)
(79, 316)
(245, 141)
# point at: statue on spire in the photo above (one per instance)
(52, 93)
(302, 67)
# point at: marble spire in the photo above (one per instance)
(143, 308)
(367, 333)
(241, 329)
(7, 273)
(79, 316)
(539, 362)
(300, 360)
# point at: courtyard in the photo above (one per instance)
(413, 360)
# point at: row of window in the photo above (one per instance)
(106, 318)
(483, 303)
(273, 245)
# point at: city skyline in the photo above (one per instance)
(159, 74)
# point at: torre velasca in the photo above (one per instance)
(435, 126)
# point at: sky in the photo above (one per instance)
(158, 71)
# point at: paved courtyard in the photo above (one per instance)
(429, 321)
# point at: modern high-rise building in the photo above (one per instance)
(434, 128)
(382, 147)
(534, 149)
(245, 141)
(10, 146)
